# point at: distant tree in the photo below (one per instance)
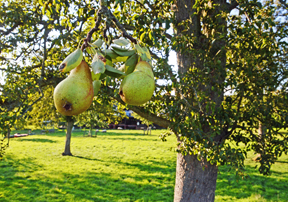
(44, 110)
(101, 115)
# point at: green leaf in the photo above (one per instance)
(142, 36)
(110, 71)
(131, 63)
(95, 76)
(121, 42)
(139, 50)
(122, 51)
(98, 66)
(96, 86)
(98, 43)
(90, 50)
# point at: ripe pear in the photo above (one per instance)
(144, 67)
(74, 94)
(138, 87)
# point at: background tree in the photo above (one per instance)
(44, 110)
(143, 121)
(35, 37)
(217, 53)
(101, 114)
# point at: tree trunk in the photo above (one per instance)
(67, 151)
(261, 132)
(195, 180)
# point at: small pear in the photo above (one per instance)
(138, 87)
(74, 94)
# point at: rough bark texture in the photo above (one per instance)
(195, 180)
(67, 151)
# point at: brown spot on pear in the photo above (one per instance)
(74, 94)
(137, 88)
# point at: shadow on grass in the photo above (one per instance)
(37, 140)
(282, 162)
(79, 133)
(123, 133)
(88, 158)
(131, 139)
(152, 167)
(25, 181)
(272, 187)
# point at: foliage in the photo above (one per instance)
(32, 37)
(44, 110)
(101, 114)
(143, 120)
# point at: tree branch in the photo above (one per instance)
(94, 29)
(10, 71)
(283, 2)
(147, 115)
(11, 29)
(104, 11)
(232, 5)
(119, 26)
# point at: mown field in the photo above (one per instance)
(117, 166)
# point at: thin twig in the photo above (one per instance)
(104, 11)
(249, 20)
(119, 26)
(94, 29)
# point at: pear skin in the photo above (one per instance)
(74, 94)
(137, 88)
(144, 67)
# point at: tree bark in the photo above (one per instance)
(67, 151)
(195, 180)
(261, 132)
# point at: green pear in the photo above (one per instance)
(74, 94)
(144, 67)
(138, 87)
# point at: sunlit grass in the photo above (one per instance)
(116, 166)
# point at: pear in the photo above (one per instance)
(138, 87)
(74, 94)
(144, 67)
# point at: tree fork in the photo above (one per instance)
(104, 11)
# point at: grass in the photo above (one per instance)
(116, 166)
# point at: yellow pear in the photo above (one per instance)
(138, 87)
(74, 94)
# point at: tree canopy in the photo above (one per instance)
(231, 76)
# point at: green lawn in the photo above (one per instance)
(116, 166)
